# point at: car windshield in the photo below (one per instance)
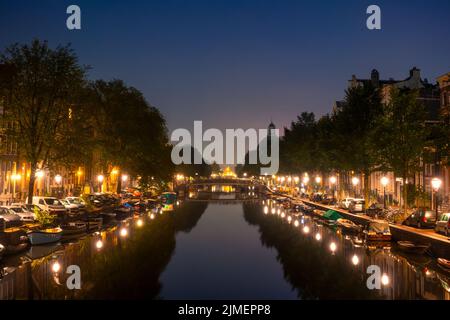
(17, 209)
(52, 201)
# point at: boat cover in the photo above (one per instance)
(332, 215)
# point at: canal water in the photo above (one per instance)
(230, 249)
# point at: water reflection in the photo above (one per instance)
(221, 249)
(322, 262)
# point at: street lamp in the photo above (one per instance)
(333, 181)
(100, 179)
(384, 182)
(14, 178)
(58, 179)
(436, 184)
(355, 182)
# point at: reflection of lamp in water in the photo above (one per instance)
(99, 244)
(273, 210)
(139, 223)
(296, 223)
(318, 236)
(282, 215)
(305, 229)
(152, 216)
(333, 247)
(289, 219)
(266, 209)
(56, 267)
(123, 232)
(385, 279)
(355, 259)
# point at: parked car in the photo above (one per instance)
(345, 203)
(72, 209)
(328, 200)
(316, 197)
(78, 201)
(10, 217)
(50, 204)
(357, 206)
(421, 218)
(22, 211)
(443, 224)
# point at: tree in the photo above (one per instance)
(355, 122)
(42, 89)
(402, 135)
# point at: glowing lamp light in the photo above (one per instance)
(318, 237)
(305, 229)
(58, 179)
(305, 179)
(282, 215)
(436, 183)
(273, 211)
(139, 223)
(333, 247)
(384, 181)
(123, 232)
(16, 177)
(100, 178)
(333, 180)
(318, 179)
(266, 210)
(355, 181)
(384, 279)
(39, 174)
(114, 171)
(152, 216)
(99, 244)
(296, 179)
(289, 219)
(124, 177)
(355, 260)
(296, 223)
(56, 267)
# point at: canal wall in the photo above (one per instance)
(439, 246)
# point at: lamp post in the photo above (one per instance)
(58, 180)
(355, 182)
(305, 182)
(100, 179)
(384, 182)
(333, 181)
(14, 178)
(436, 184)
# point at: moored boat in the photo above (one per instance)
(444, 264)
(44, 236)
(378, 230)
(73, 228)
(412, 247)
(348, 226)
(93, 223)
(14, 240)
(2, 251)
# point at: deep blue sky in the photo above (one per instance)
(240, 63)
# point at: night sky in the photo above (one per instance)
(239, 63)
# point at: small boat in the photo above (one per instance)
(93, 223)
(108, 216)
(14, 240)
(378, 230)
(73, 228)
(444, 264)
(123, 212)
(2, 251)
(348, 226)
(412, 247)
(44, 236)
